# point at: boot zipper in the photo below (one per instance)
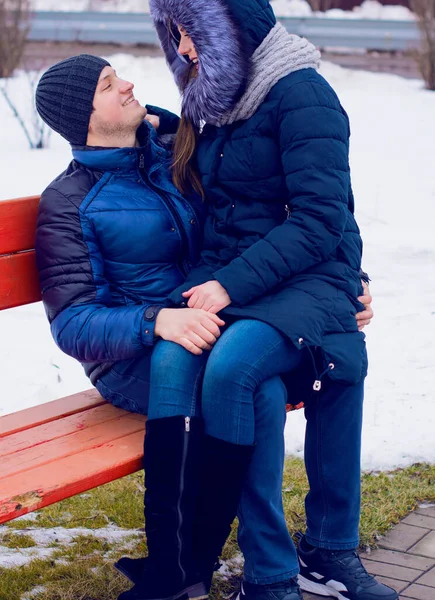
(180, 514)
(184, 241)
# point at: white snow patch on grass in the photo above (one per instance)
(50, 539)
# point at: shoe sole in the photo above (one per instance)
(123, 572)
(193, 592)
(318, 588)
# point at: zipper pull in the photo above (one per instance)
(288, 211)
(141, 162)
(187, 424)
(318, 384)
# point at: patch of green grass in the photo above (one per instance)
(17, 540)
(82, 570)
(119, 503)
(79, 580)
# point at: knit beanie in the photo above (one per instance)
(65, 94)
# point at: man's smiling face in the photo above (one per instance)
(116, 111)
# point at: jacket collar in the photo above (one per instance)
(122, 159)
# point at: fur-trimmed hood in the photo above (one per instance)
(225, 34)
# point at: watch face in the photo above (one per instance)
(150, 313)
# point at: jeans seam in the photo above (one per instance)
(246, 375)
(195, 397)
(320, 471)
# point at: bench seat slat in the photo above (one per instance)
(19, 283)
(31, 438)
(74, 443)
(18, 224)
(50, 411)
(25, 492)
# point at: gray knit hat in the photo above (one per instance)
(65, 94)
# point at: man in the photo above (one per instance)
(114, 238)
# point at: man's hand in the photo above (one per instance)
(209, 296)
(196, 330)
(154, 120)
(363, 318)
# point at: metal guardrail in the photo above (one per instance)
(137, 28)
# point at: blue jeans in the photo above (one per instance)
(246, 355)
(332, 457)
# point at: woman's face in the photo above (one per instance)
(186, 47)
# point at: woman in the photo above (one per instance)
(264, 136)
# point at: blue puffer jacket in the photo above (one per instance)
(280, 234)
(114, 238)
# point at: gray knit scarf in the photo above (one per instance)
(279, 55)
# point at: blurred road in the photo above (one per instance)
(41, 55)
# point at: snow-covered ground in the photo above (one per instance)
(393, 157)
(97, 5)
(369, 9)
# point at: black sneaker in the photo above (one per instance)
(339, 574)
(284, 590)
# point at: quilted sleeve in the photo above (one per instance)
(168, 121)
(75, 293)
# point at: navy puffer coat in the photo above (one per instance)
(114, 238)
(280, 234)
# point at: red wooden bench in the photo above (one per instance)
(65, 447)
(68, 446)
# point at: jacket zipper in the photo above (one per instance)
(184, 251)
(180, 495)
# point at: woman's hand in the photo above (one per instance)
(363, 318)
(195, 330)
(209, 296)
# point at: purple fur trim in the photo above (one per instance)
(223, 64)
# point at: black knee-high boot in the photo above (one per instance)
(223, 468)
(172, 472)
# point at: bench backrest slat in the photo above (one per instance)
(18, 224)
(18, 274)
(19, 282)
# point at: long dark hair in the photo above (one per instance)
(184, 173)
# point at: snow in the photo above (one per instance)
(292, 8)
(392, 157)
(369, 9)
(47, 542)
(124, 6)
